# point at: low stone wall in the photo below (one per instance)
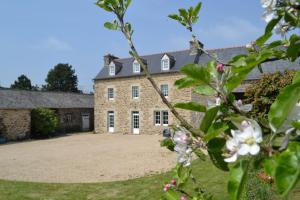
(15, 124)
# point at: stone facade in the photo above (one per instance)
(15, 124)
(71, 119)
(148, 102)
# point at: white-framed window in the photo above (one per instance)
(165, 63)
(136, 67)
(111, 121)
(135, 92)
(135, 122)
(112, 69)
(157, 118)
(165, 90)
(165, 118)
(110, 93)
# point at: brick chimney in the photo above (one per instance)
(194, 45)
(108, 58)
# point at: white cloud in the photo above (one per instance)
(53, 43)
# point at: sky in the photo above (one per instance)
(35, 35)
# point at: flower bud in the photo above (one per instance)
(183, 198)
(220, 68)
(173, 182)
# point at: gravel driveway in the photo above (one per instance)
(85, 158)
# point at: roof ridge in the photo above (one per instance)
(56, 92)
(168, 52)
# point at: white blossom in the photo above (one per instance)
(268, 3)
(244, 141)
(181, 147)
(270, 10)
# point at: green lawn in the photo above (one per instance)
(146, 188)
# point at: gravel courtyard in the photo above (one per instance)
(85, 158)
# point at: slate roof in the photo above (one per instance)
(22, 99)
(183, 57)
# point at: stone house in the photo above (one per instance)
(75, 111)
(126, 103)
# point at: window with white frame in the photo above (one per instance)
(165, 63)
(135, 92)
(136, 67)
(110, 93)
(157, 119)
(165, 90)
(165, 118)
(112, 69)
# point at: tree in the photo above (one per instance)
(23, 83)
(62, 78)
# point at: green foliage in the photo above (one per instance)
(287, 172)
(168, 143)
(23, 83)
(193, 106)
(187, 17)
(215, 129)
(263, 92)
(208, 118)
(215, 151)
(283, 105)
(43, 122)
(237, 177)
(62, 78)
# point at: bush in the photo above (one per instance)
(262, 93)
(43, 122)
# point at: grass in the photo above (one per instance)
(146, 188)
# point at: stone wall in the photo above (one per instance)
(15, 124)
(70, 119)
(148, 102)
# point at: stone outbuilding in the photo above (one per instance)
(75, 111)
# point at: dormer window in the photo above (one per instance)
(136, 67)
(112, 69)
(165, 63)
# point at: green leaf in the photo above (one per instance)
(283, 105)
(196, 72)
(212, 69)
(215, 130)
(237, 178)
(208, 118)
(204, 90)
(171, 195)
(270, 166)
(197, 9)
(215, 151)
(296, 78)
(296, 125)
(193, 106)
(274, 44)
(272, 24)
(111, 26)
(175, 17)
(127, 4)
(294, 48)
(168, 143)
(262, 40)
(288, 169)
(186, 82)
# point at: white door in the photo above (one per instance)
(85, 122)
(111, 121)
(136, 122)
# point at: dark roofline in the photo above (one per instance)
(53, 92)
(171, 52)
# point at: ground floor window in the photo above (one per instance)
(161, 118)
(111, 121)
(157, 120)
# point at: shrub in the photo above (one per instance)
(262, 93)
(43, 122)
